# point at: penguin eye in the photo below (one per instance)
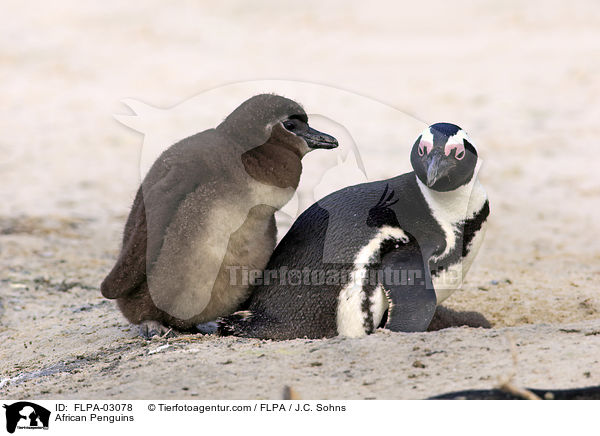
(421, 149)
(289, 125)
(460, 154)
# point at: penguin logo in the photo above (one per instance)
(26, 415)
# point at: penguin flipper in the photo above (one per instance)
(154, 205)
(411, 303)
(130, 269)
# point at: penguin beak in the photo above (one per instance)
(436, 170)
(316, 139)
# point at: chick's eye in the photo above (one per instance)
(289, 125)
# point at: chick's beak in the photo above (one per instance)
(316, 139)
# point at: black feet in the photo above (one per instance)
(208, 328)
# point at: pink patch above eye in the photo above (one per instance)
(425, 145)
(460, 150)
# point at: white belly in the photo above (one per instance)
(451, 278)
(350, 315)
(191, 277)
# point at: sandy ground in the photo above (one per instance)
(522, 79)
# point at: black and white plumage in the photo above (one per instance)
(425, 227)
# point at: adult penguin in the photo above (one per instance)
(380, 254)
(207, 205)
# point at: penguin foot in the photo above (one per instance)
(233, 324)
(445, 318)
(207, 328)
(149, 329)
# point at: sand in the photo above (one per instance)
(519, 78)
